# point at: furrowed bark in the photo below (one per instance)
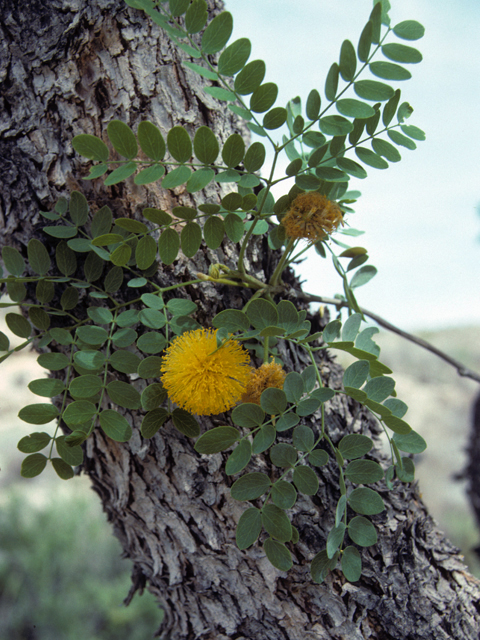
(69, 67)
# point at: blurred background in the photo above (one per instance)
(61, 571)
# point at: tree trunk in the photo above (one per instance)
(69, 67)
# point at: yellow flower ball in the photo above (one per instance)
(312, 216)
(268, 375)
(201, 379)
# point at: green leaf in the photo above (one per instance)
(354, 108)
(312, 107)
(191, 239)
(101, 222)
(371, 158)
(115, 426)
(275, 118)
(287, 421)
(79, 412)
(354, 446)
(150, 174)
(306, 480)
(250, 77)
(100, 315)
(362, 276)
(362, 531)
(153, 421)
(168, 246)
(89, 359)
(248, 415)
(46, 387)
(384, 148)
(318, 457)
(90, 147)
(66, 259)
(33, 465)
(293, 387)
(96, 171)
(402, 140)
(331, 82)
(122, 173)
(378, 389)
(413, 132)
(218, 33)
(283, 455)
(196, 16)
(217, 439)
(255, 157)
(348, 61)
(78, 208)
(5, 343)
(233, 150)
(39, 413)
(179, 145)
(14, 263)
(411, 442)
(276, 523)
(73, 456)
(373, 90)
(365, 42)
(85, 386)
(214, 231)
(181, 306)
(152, 396)
(234, 58)
(262, 313)
(321, 564)
(273, 401)
(264, 97)
(38, 257)
(232, 320)
(363, 471)
(284, 494)
(396, 424)
(185, 423)
(151, 140)
(351, 327)
(199, 180)
(123, 394)
(366, 501)
(175, 178)
(389, 71)
(234, 227)
(278, 554)
(335, 539)
(335, 126)
(351, 167)
(62, 469)
(122, 138)
(18, 325)
(351, 564)
(69, 299)
(92, 335)
(239, 458)
(150, 367)
(407, 472)
(356, 374)
(145, 252)
(250, 486)
(307, 407)
(303, 438)
(264, 438)
(152, 342)
(39, 318)
(34, 442)
(128, 318)
(409, 30)
(205, 145)
(124, 361)
(248, 528)
(178, 7)
(402, 53)
(53, 361)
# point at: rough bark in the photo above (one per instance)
(69, 67)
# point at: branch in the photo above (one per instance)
(462, 370)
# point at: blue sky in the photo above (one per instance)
(419, 215)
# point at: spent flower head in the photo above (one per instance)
(312, 216)
(201, 378)
(268, 375)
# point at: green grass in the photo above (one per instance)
(61, 574)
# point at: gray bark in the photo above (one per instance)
(69, 67)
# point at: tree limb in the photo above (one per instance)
(462, 370)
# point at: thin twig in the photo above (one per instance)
(462, 370)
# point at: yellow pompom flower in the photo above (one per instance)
(202, 379)
(268, 375)
(312, 216)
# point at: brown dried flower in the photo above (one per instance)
(268, 375)
(312, 216)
